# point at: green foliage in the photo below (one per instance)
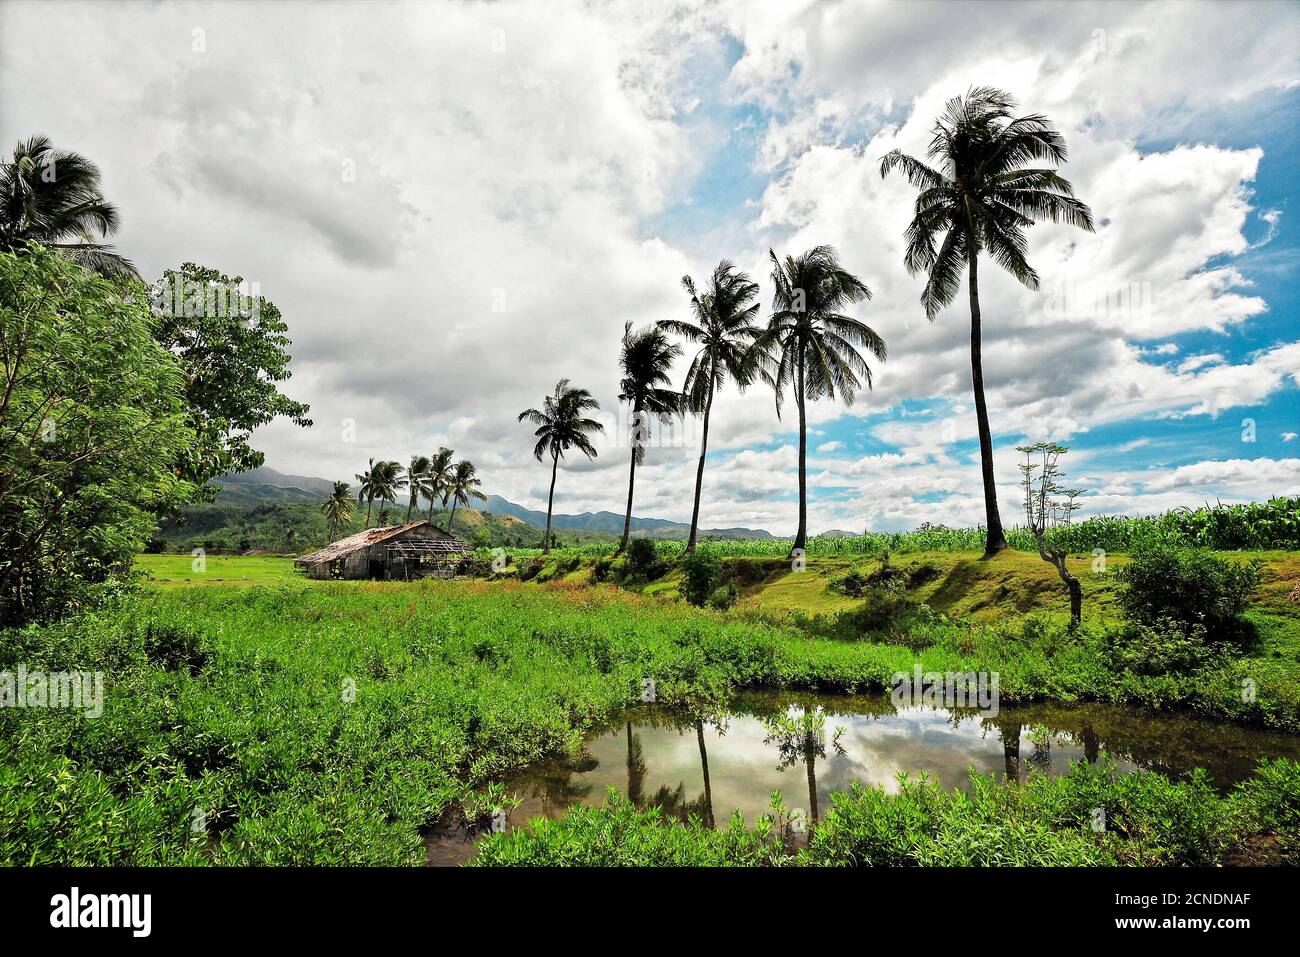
(644, 562)
(1192, 590)
(1145, 820)
(723, 597)
(232, 702)
(91, 419)
(232, 345)
(701, 573)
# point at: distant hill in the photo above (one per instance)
(274, 511)
(612, 522)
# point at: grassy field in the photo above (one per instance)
(305, 722)
(170, 570)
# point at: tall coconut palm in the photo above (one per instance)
(52, 197)
(724, 328)
(387, 480)
(647, 360)
(815, 345)
(366, 488)
(337, 509)
(463, 485)
(440, 468)
(980, 196)
(562, 424)
(417, 481)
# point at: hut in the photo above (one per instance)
(396, 552)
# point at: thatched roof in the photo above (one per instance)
(372, 536)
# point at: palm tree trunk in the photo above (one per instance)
(631, 478)
(801, 537)
(369, 502)
(996, 540)
(810, 762)
(699, 471)
(550, 503)
(627, 519)
(451, 519)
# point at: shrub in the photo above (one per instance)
(600, 571)
(723, 597)
(643, 561)
(700, 577)
(1189, 588)
(883, 606)
(850, 584)
(1160, 649)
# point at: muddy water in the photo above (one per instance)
(713, 768)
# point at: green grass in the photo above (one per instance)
(1047, 821)
(172, 570)
(234, 702)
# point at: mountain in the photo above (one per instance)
(612, 522)
(264, 485)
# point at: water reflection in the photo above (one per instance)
(807, 746)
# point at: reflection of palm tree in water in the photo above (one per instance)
(1090, 744)
(811, 750)
(800, 736)
(635, 769)
(707, 798)
(1011, 750)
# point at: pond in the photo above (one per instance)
(771, 742)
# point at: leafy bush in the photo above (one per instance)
(850, 584)
(1164, 648)
(723, 597)
(700, 575)
(643, 560)
(1189, 589)
(600, 571)
(883, 606)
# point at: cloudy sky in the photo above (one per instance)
(454, 205)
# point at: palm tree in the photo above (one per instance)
(52, 197)
(366, 488)
(981, 198)
(463, 485)
(417, 481)
(386, 481)
(562, 424)
(817, 344)
(724, 315)
(440, 467)
(647, 359)
(338, 508)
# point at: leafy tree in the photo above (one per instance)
(463, 485)
(724, 328)
(816, 345)
(1047, 515)
(337, 509)
(232, 344)
(440, 468)
(647, 359)
(562, 424)
(981, 198)
(52, 197)
(92, 418)
(417, 481)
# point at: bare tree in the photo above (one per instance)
(1047, 512)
